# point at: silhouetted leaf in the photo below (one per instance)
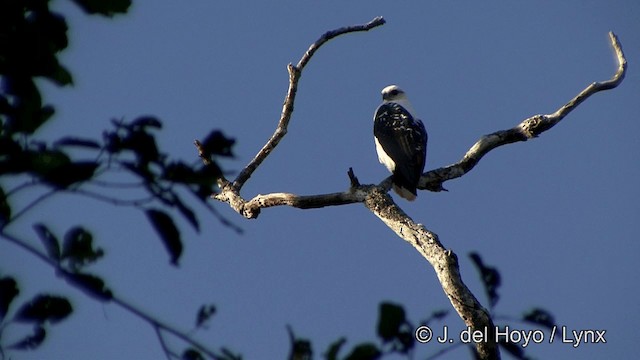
(168, 232)
(366, 351)
(78, 249)
(513, 348)
(391, 318)
(143, 145)
(8, 292)
(217, 144)
(5, 208)
(71, 173)
(31, 341)
(43, 162)
(104, 7)
(208, 175)
(77, 142)
(540, 317)
(435, 315)
(26, 113)
(192, 354)
(300, 348)
(49, 240)
(61, 76)
(91, 284)
(204, 314)
(43, 308)
(490, 278)
(179, 172)
(334, 349)
(134, 138)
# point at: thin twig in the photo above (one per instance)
(287, 109)
(163, 345)
(30, 206)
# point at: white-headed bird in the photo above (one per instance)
(401, 141)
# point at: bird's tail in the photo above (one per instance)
(405, 193)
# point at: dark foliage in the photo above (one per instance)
(490, 278)
(31, 38)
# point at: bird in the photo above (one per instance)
(401, 141)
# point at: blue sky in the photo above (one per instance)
(558, 216)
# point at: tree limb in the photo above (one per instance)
(378, 201)
(443, 261)
(287, 109)
(526, 130)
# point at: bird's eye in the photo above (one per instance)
(394, 92)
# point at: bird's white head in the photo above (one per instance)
(393, 93)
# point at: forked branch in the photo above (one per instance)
(378, 201)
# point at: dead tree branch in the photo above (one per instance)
(526, 130)
(378, 201)
(287, 109)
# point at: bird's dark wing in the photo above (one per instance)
(404, 139)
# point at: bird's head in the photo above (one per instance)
(393, 93)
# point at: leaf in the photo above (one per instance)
(180, 172)
(391, 318)
(300, 348)
(78, 248)
(435, 315)
(366, 351)
(540, 317)
(104, 7)
(32, 341)
(8, 291)
(42, 162)
(204, 314)
(168, 232)
(61, 76)
(43, 308)
(490, 278)
(143, 144)
(49, 240)
(192, 354)
(5, 209)
(71, 173)
(77, 142)
(26, 114)
(334, 349)
(217, 144)
(513, 348)
(91, 284)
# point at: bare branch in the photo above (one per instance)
(287, 109)
(378, 201)
(251, 209)
(443, 261)
(526, 130)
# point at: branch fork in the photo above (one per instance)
(380, 203)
